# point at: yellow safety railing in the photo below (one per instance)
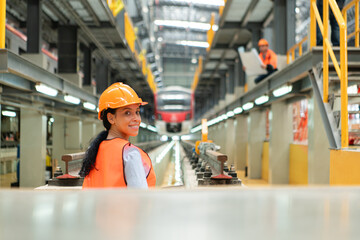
(115, 6)
(327, 50)
(150, 80)
(130, 35)
(196, 80)
(211, 32)
(290, 55)
(197, 74)
(2, 23)
(355, 4)
(221, 8)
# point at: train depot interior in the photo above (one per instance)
(234, 155)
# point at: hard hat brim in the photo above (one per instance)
(128, 104)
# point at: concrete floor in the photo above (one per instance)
(243, 213)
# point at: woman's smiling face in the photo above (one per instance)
(125, 122)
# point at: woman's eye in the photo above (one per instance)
(137, 112)
(127, 113)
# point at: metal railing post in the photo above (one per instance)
(343, 88)
(312, 24)
(325, 51)
(2, 23)
(356, 24)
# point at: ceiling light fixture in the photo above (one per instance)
(261, 100)
(203, 2)
(193, 43)
(89, 106)
(42, 88)
(248, 106)
(183, 24)
(238, 110)
(230, 114)
(151, 128)
(8, 113)
(72, 99)
(282, 90)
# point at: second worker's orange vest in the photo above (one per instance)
(109, 166)
(270, 58)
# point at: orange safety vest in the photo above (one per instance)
(270, 58)
(109, 166)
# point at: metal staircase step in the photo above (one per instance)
(350, 95)
(350, 65)
(354, 112)
(354, 131)
(350, 79)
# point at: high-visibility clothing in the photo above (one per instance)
(109, 166)
(269, 58)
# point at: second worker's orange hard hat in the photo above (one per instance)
(118, 95)
(263, 42)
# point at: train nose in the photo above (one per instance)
(173, 127)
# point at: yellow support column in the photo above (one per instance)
(2, 23)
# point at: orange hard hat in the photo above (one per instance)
(263, 42)
(118, 95)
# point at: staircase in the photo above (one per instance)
(331, 111)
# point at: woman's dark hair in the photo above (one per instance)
(91, 152)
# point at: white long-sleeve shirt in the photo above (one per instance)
(133, 168)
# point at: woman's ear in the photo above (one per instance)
(110, 118)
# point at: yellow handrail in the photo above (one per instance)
(291, 51)
(221, 8)
(327, 50)
(355, 4)
(211, 32)
(2, 23)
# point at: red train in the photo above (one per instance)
(174, 110)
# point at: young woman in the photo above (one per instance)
(111, 160)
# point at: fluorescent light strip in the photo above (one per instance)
(248, 106)
(282, 90)
(238, 110)
(163, 153)
(8, 113)
(193, 43)
(184, 24)
(164, 138)
(218, 3)
(143, 125)
(230, 114)
(151, 128)
(261, 100)
(42, 88)
(89, 106)
(72, 99)
(196, 129)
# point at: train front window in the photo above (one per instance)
(174, 102)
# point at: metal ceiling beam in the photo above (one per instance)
(210, 8)
(248, 12)
(88, 32)
(225, 12)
